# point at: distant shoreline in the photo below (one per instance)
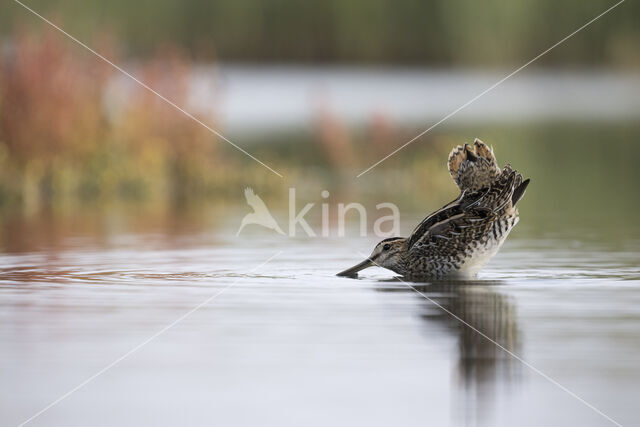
(247, 98)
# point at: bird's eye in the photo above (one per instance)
(386, 247)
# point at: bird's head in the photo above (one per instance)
(389, 253)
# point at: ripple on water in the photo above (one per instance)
(291, 334)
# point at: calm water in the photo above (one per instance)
(288, 343)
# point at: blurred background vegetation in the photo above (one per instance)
(65, 151)
(461, 33)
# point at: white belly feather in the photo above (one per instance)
(482, 254)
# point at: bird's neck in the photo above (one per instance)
(401, 264)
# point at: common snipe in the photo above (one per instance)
(458, 239)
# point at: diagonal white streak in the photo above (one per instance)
(165, 99)
(139, 346)
(509, 352)
(490, 88)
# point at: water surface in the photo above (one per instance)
(288, 343)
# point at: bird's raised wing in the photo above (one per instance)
(453, 235)
(449, 210)
(470, 210)
(254, 200)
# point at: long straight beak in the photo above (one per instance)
(353, 271)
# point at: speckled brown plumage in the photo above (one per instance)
(458, 239)
(461, 237)
(473, 167)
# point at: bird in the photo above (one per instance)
(260, 214)
(457, 240)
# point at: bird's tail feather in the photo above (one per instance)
(519, 192)
(473, 166)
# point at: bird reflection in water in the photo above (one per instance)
(483, 368)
